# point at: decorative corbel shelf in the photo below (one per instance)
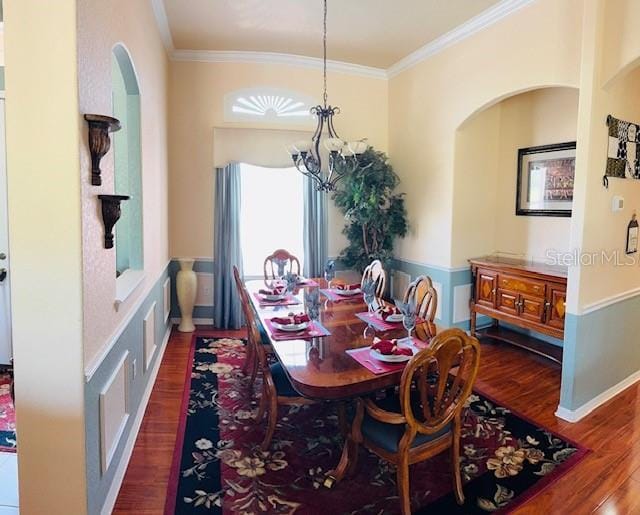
(99, 141)
(110, 215)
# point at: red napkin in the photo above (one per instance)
(292, 319)
(386, 311)
(389, 347)
(278, 290)
(347, 286)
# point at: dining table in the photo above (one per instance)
(321, 367)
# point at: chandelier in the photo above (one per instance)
(343, 156)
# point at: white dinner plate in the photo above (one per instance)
(397, 317)
(348, 293)
(389, 358)
(293, 328)
(273, 298)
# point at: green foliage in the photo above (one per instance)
(374, 214)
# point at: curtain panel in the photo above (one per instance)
(315, 229)
(227, 252)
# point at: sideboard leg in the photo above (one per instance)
(472, 329)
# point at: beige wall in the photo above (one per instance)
(485, 175)
(43, 133)
(197, 106)
(540, 117)
(100, 26)
(595, 227)
(539, 45)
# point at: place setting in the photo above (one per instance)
(389, 355)
(295, 326)
(276, 295)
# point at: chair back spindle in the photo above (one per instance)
(442, 376)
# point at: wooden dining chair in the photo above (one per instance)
(426, 300)
(277, 389)
(376, 272)
(250, 365)
(279, 263)
(423, 420)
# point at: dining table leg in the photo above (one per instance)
(346, 466)
(349, 457)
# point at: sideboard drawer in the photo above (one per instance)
(520, 285)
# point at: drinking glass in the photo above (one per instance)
(409, 323)
(312, 303)
(329, 272)
(369, 293)
(292, 281)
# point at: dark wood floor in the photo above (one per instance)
(606, 482)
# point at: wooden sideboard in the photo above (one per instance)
(525, 294)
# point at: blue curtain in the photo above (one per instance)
(227, 310)
(315, 229)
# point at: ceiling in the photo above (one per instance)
(374, 33)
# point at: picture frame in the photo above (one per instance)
(545, 180)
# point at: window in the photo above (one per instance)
(267, 105)
(127, 161)
(271, 215)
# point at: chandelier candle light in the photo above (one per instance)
(343, 157)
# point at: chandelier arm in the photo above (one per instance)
(317, 140)
(332, 131)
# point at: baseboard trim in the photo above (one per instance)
(196, 321)
(114, 489)
(581, 412)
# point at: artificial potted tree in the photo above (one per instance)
(374, 212)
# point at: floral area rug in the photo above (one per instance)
(7, 415)
(219, 468)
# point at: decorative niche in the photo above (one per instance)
(99, 141)
(111, 212)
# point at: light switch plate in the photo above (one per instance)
(617, 204)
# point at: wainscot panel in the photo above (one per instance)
(129, 349)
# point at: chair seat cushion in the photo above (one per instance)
(387, 436)
(284, 387)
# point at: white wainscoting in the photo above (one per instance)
(461, 297)
(399, 283)
(438, 288)
(149, 335)
(114, 411)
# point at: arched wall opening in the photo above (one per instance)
(127, 161)
(485, 174)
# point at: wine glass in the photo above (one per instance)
(369, 292)
(329, 272)
(312, 303)
(409, 323)
(409, 315)
(292, 281)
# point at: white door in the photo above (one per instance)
(5, 311)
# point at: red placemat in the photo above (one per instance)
(376, 366)
(314, 330)
(289, 300)
(377, 322)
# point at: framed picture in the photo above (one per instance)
(545, 180)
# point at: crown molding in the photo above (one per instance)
(163, 24)
(476, 24)
(468, 28)
(221, 56)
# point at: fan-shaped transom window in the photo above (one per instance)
(268, 105)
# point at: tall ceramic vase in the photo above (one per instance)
(186, 285)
